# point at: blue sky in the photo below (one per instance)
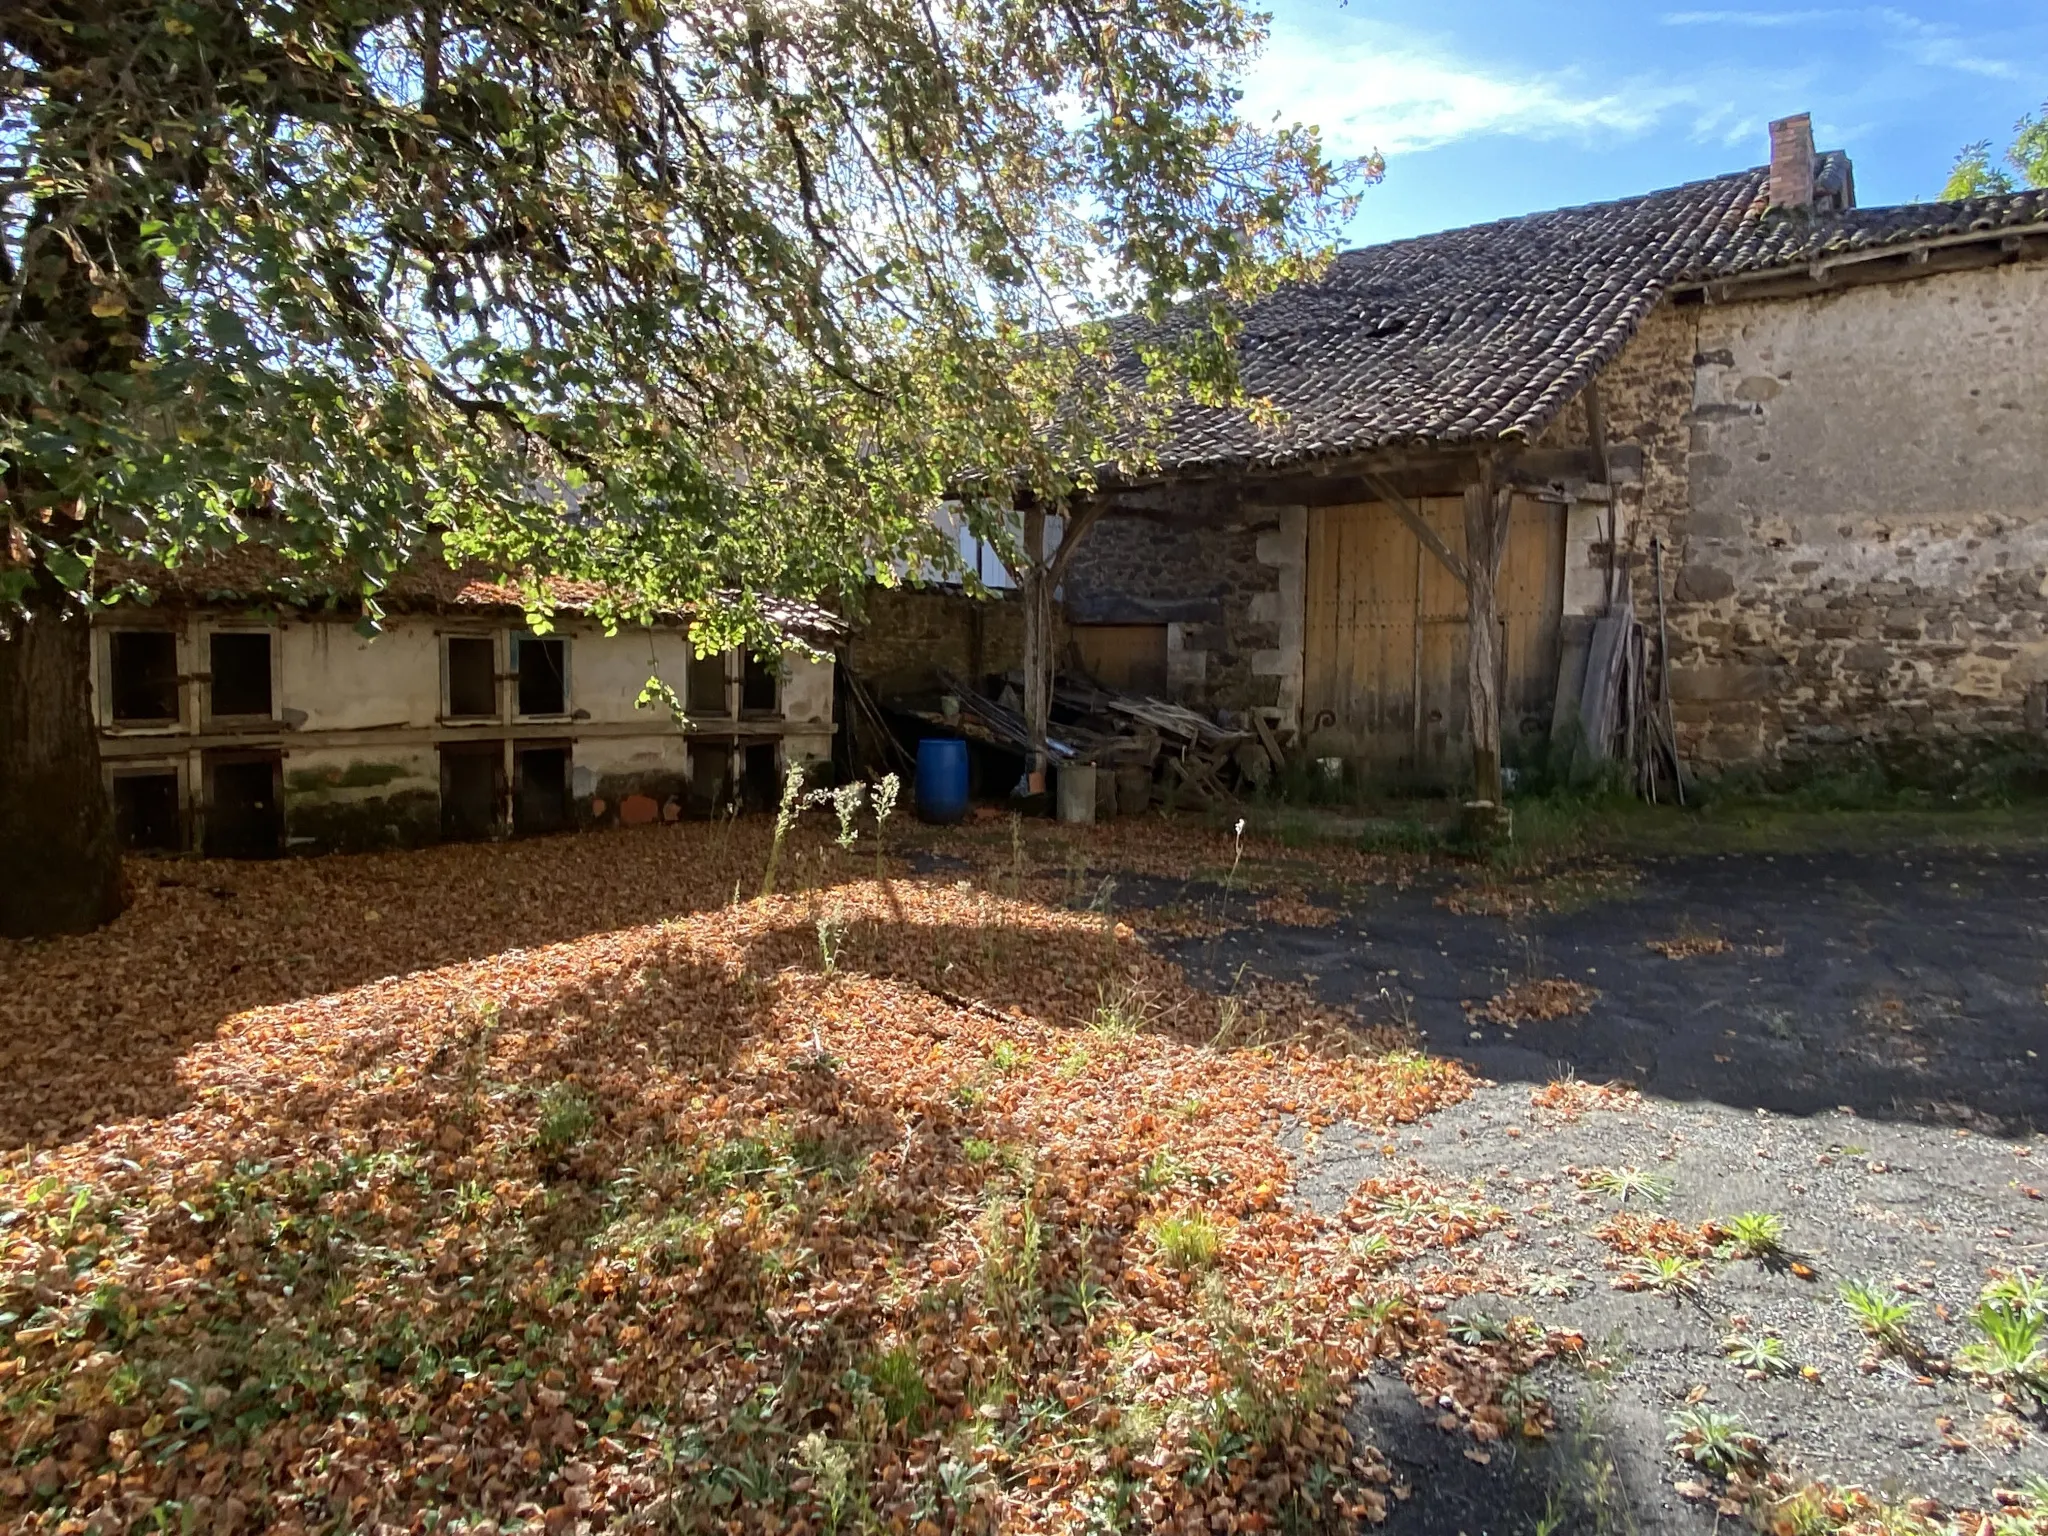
(1485, 109)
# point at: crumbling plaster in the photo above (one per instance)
(1851, 494)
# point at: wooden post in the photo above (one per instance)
(1035, 587)
(1038, 578)
(1486, 541)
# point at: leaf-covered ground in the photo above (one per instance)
(547, 1185)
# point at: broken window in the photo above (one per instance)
(540, 790)
(146, 810)
(543, 675)
(472, 677)
(240, 663)
(472, 789)
(244, 808)
(760, 685)
(143, 673)
(707, 696)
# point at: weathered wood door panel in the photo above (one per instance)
(1384, 656)
(1128, 657)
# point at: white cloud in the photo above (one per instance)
(1766, 19)
(1375, 88)
(1930, 44)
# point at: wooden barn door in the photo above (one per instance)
(1384, 657)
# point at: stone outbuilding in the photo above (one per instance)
(1827, 424)
(239, 716)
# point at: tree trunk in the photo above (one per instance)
(60, 867)
(1034, 584)
(1486, 540)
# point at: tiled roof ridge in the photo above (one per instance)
(1484, 333)
(262, 573)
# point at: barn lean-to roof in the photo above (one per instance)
(1483, 335)
(258, 573)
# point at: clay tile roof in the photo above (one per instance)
(258, 573)
(1484, 334)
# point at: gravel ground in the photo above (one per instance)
(1907, 986)
(1861, 1058)
(1931, 1210)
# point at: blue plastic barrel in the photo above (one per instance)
(941, 779)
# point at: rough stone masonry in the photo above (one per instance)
(1851, 488)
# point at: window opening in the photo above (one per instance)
(760, 683)
(472, 677)
(543, 675)
(240, 663)
(144, 668)
(707, 696)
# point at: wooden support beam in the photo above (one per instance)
(1596, 429)
(1487, 505)
(1418, 525)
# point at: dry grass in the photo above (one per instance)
(539, 1183)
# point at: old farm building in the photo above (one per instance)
(1828, 424)
(237, 720)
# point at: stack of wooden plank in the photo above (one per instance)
(1194, 759)
(1197, 759)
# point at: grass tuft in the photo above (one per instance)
(566, 1117)
(1719, 1444)
(1882, 1314)
(1756, 1234)
(1188, 1240)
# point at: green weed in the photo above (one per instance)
(1626, 1184)
(1011, 1287)
(1762, 1354)
(1883, 1315)
(1756, 1234)
(2011, 1350)
(1669, 1274)
(1120, 1011)
(1161, 1171)
(899, 1382)
(1720, 1444)
(566, 1117)
(1187, 1241)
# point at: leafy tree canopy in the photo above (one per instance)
(678, 294)
(1977, 174)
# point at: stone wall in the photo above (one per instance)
(1851, 495)
(1223, 576)
(904, 636)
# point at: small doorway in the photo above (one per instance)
(244, 805)
(472, 790)
(761, 778)
(540, 790)
(146, 810)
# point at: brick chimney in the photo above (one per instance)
(1792, 162)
